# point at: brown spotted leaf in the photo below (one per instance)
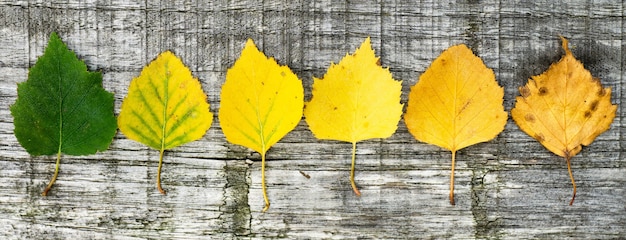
(564, 108)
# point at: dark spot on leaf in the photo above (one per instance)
(524, 91)
(602, 92)
(539, 137)
(529, 118)
(335, 108)
(543, 91)
(570, 75)
(587, 114)
(443, 62)
(282, 74)
(464, 106)
(594, 106)
(378, 62)
(277, 93)
(263, 83)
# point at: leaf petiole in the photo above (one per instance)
(158, 183)
(571, 176)
(452, 179)
(54, 177)
(356, 190)
(267, 201)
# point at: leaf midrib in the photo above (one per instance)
(165, 101)
(60, 79)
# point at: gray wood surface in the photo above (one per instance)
(509, 188)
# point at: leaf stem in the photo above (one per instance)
(54, 177)
(158, 183)
(356, 190)
(267, 201)
(571, 176)
(452, 179)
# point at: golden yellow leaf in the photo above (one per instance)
(261, 102)
(456, 103)
(564, 107)
(356, 100)
(165, 107)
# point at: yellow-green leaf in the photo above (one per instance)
(165, 107)
(456, 103)
(261, 102)
(356, 100)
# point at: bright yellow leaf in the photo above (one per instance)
(261, 102)
(356, 100)
(165, 107)
(564, 107)
(456, 103)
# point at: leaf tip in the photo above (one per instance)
(250, 43)
(55, 40)
(54, 35)
(365, 46)
(564, 45)
(167, 53)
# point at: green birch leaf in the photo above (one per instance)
(62, 107)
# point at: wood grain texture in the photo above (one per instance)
(509, 188)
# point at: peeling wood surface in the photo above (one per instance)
(510, 188)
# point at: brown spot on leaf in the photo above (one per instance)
(539, 137)
(529, 118)
(335, 108)
(602, 92)
(587, 114)
(543, 91)
(594, 106)
(464, 106)
(524, 91)
(378, 62)
(282, 74)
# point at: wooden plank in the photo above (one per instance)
(508, 188)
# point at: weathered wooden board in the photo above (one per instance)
(509, 188)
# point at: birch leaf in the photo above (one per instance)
(261, 102)
(62, 107)
(165, 107)
(356, 100)
(563, 108)
(456, 103)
